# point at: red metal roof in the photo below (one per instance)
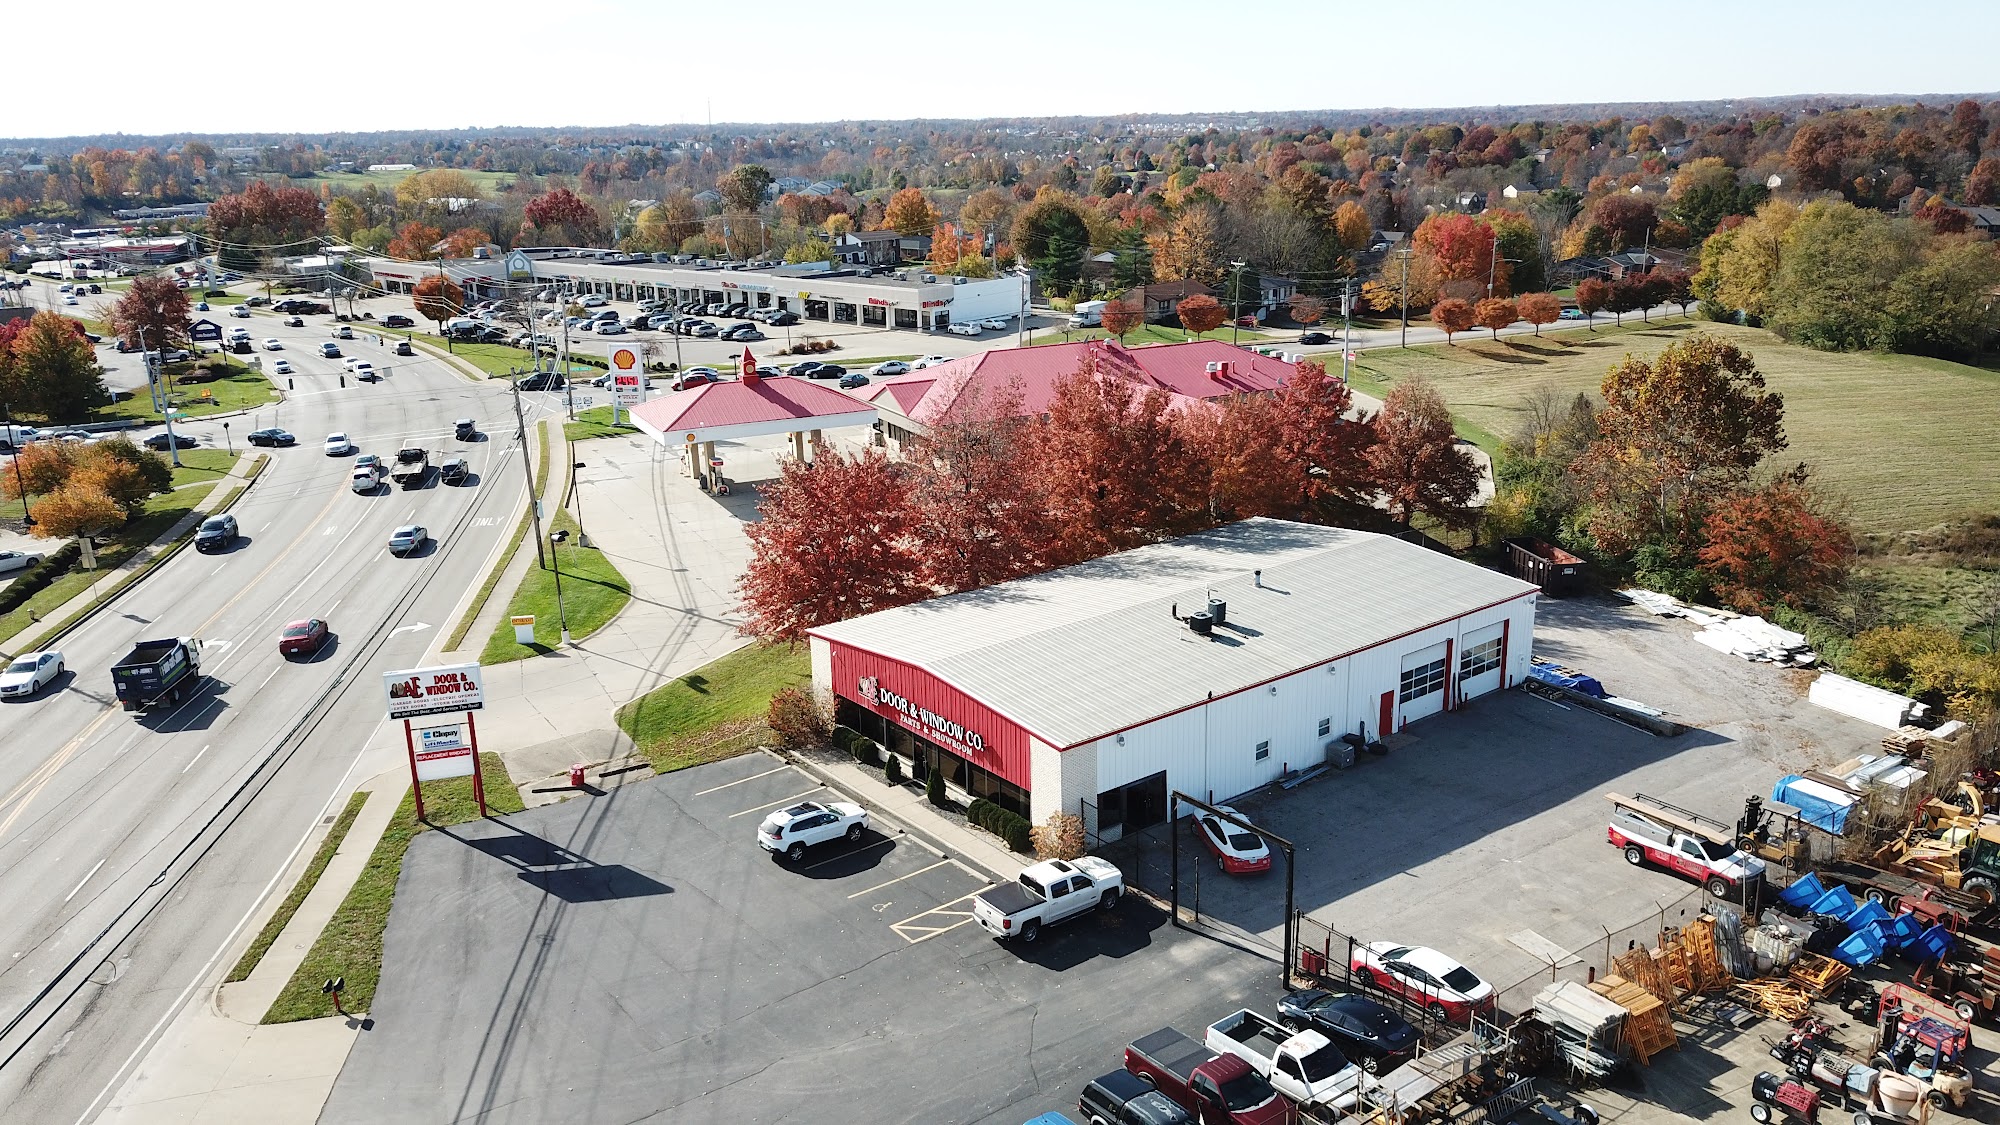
(737, 402)
(940, 393)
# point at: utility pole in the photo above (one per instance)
(528, 470)
(1236, 300)
(1027, 283)
(1405, 253)
(1347, 326)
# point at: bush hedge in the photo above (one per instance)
(1009, 826)
(38, 576)
(893, 770)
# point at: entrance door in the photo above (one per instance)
(1146, 802)
(1421, 691)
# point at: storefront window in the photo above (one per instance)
(874, 315)
(906, 318)
(843, 313)
(816, 310)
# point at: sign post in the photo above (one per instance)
(628, 379)
(438, 749)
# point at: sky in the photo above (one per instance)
(364, 65)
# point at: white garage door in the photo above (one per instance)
(1479, 663)
(1421, 692)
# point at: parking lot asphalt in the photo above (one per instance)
(637, 956)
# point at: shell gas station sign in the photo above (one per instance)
(628, 379)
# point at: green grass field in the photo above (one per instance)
(199, 465)
(716, 711)
(592, 594)
(1908, 441)
(387, 181)
(244, 389)
(161, 513)
(595, 423)
(351, 944)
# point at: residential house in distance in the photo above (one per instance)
(1162, 299)
(869, 247)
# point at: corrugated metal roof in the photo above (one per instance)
(1077, 653)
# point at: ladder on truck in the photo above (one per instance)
(1674, 816)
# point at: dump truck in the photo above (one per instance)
(412, 465)
(161, 671)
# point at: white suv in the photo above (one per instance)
(789, 832)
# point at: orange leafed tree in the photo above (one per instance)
(1121, 316)
(415, 242)
(463, 241)
(1539, 309)
(1495, 313)
(1201, 313)
(43, 465)
(910, 212)
(834, 542)
(1592, 295)
(1452, 315)
(77, 510)
(949, 247)
(1772, 546)
(1416, 459)
(1308, 309)
(439, 298)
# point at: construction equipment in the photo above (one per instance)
(1926, 1041)
(1774, 832)
(1786, 1099)
(1968, 979)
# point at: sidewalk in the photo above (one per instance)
(143, 556)
(215, 1064)
(907, 805)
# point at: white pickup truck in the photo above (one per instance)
(1647, 828)
(1304, 1066)
(1049, 892)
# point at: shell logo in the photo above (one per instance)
(624, 359)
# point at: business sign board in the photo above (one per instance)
(443, 752)
(433, 691)
(627, 376)
(520, 267)
(205, 330)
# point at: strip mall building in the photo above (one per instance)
(1209, 664)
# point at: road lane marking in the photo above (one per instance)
(915, 929)
(775, 804)
(86, 879)
(193, 760)
(218, 569)
(334, 606)
(752, 777)
(898, 879)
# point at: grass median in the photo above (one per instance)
(242, 389)
(317, 867)
(351, 944)
(592, 594)
(198, 465)
(471, 614)
(595, 423)
(716, 711)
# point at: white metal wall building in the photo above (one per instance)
(1087, 690)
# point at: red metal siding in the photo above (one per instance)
(990, 741)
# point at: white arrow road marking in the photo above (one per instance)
(412, 627)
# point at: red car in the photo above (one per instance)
(302, 637)
(1236, 851)
(1449, 991)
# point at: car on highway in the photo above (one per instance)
(295, 322)
(69, 300)
(215, 533)
(273, 437)
(789, 832)
(1571, 314)
(398, 320)
(240, 311)
(852, 380)
(365, 478)
(364, 371)
(1376, 1038)
(407, 538)
(303, 637)
(343, 333)
(1315, 338)
(929, 361)
(29, 673)
(465, 429)
(281, 367)
(964, 328)
(337, 445)
(543, 381)
(249, 301)
(890, 367)
(454, 470)
(329, 350)
(369, 461)
(828, 371)
(1236, 851)
(161, 441)
(11, 561)
(1441, 986)
(273, 344)
(403, 348)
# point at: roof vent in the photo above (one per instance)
(1201, 623)
(1218, 611)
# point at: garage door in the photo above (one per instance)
(1481, 653)
(1421, 691)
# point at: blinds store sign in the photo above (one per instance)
(873, 692)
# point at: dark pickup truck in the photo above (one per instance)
(1218, 1089)
(161, 671)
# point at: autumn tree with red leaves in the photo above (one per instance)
(1454, 316)
(1200, 314)
(1495, 313)
(1315, 433)
(439, 298)
(1121, 316)
(1416, 460)
(1456, 248)
(1308, 309)
(1243, 470)
(978, 507)
(261, 221)
(1592, 295)
(1774, 546)
(153, 314)
(836, 540)
(416, 242)
(560, 217)
(1115, 468)
(1539, 309)
(463, 241)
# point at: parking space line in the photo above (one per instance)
(775, 804)
(898, 879)
(913, 929)
(752, 777)
(849, 855)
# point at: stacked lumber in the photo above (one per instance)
(1913, 742)
(1704, 963)
(1778, 999)
(1648, 1027)
(1817, 975)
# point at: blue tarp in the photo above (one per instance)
(1821, 813)
(1562, 677)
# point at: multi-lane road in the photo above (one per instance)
(132, 847)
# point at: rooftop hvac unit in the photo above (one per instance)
(1201, 623)
(1213, 368)
(1218, 611)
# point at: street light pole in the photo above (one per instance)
(1236, 300)
(27, 517)
(556, 539)
(576, 494)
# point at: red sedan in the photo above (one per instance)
(302, 637)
